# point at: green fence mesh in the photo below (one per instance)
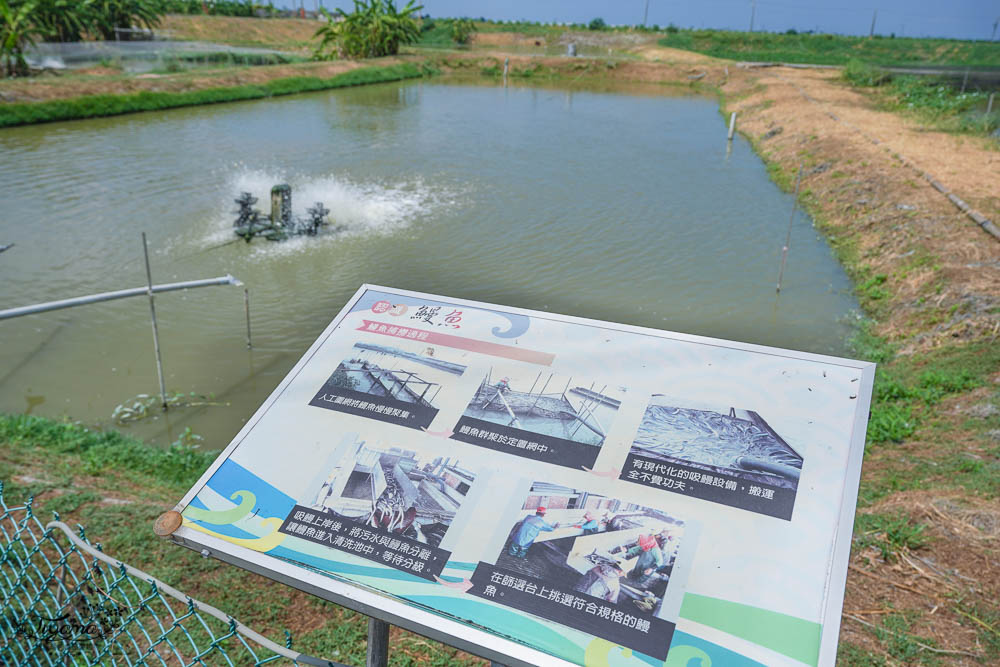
(64, 602)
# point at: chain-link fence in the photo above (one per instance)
(64, 602)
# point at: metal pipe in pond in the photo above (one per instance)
(732, 125)
(111, 296)
(152, 314)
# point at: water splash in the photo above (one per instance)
(364, 208)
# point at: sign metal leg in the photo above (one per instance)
(378, 643)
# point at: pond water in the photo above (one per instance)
(620, 204)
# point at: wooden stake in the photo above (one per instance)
(788, 237)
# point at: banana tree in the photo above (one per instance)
(18, 30)
(64, 20)
(375, 28)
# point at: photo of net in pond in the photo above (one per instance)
(600, 564)
(731, 456)
(542, 415)
(391, 384)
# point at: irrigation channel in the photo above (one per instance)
(618, 203)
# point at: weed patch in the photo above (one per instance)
(890, 534)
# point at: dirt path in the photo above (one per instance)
(936, 259)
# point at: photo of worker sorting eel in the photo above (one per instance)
(729, 441)
(547, 403)
(611, 549)
(396, 490)
(413, 377)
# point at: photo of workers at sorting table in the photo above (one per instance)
(613, 550)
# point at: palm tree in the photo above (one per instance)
(375, 28)
(18, 30)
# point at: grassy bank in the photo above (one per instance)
(826, 49)
(92, 106)
(923, 579)
(116, 486)
(935, 101)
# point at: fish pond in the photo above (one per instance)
(615, 203)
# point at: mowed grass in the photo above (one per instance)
(826, 49)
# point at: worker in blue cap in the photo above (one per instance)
(528, 530)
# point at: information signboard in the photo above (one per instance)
(544, 489)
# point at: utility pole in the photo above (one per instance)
(645, 15)
(871, 31)
(995, 29)
(753, 10)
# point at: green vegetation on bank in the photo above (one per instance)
(99, 452)
(826, 49)
(930, 98)
(116, 486)
(93, 106)
(446, 32)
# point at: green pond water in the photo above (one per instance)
(620, 204)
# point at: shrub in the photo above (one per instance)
(462, 30)
(859, 73)
(597, 24)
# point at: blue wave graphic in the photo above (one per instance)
(232, 477)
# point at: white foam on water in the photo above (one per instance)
(364, 208)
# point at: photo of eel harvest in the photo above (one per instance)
(397, 491)
(738, 443)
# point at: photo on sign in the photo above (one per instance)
(731, 442)
(409, 376)
(542, 415)
(614, 550)
(392, 488)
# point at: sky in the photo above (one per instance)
(962, 19)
